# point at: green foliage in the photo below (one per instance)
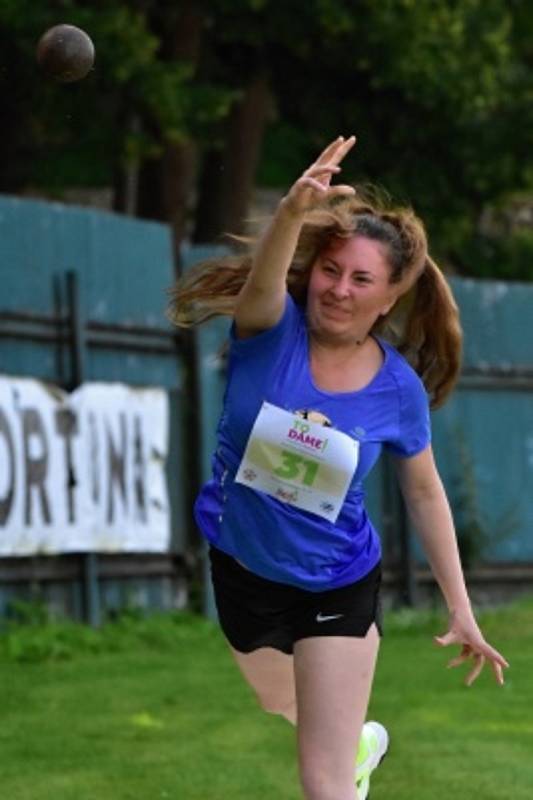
(509, 257)
(179, 108)
(28, 612)
(439, 97)
(439, 94)
(32, 636)
(79, 134)
(50, 642)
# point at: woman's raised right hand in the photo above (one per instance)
(314, 186)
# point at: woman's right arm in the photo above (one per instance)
(261, 301)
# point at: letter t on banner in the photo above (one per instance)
(77, 348)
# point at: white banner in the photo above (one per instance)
(83, 472)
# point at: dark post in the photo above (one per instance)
(397, 533)
(78, 351)
(409, 587)
(196, 473)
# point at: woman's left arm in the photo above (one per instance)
(430, 513)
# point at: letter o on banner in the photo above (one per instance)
(8, 491)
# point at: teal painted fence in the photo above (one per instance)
(124, 267)
(483, 437)
(83, 299)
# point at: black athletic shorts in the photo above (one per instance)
(255, 612)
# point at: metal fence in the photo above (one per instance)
(83, 299)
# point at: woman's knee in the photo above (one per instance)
(270, 674)
(276, 703)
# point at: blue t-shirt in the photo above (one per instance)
(274, 539)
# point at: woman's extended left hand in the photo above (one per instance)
(464, 630)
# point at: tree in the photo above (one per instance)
(434, 93)
(131, 124)
(190, 101)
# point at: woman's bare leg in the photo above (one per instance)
(270, 673)
(333, 681)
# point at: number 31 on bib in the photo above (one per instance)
(299, 462)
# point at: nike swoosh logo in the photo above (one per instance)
(320, 617)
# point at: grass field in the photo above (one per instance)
(155, 710)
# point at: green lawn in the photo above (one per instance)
(154, 709)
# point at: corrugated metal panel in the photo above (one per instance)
(496, 320)
(123, 268)
(483, 437)
(210, 338)
(126, 263)
(484, 447)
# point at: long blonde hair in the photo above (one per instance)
(423, 325)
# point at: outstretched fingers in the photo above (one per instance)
(336, 151)
(315, 183)
(343, 149)
(316, 170)
(322, 174)
(312, 183)
(341, 190)
(480, 653)
(498, 672)
(479, 663)
(466, 654)
(497, 661)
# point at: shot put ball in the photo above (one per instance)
(65, 53)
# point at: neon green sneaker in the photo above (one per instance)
(373, 745)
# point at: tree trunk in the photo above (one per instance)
(165, 185)
(208, 215)
(126, 176)
(228, 178)
(178, 179)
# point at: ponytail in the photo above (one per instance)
(431, 337)
(209, 289)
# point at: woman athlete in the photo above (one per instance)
(344, 333)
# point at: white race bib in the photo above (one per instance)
(299, 462)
